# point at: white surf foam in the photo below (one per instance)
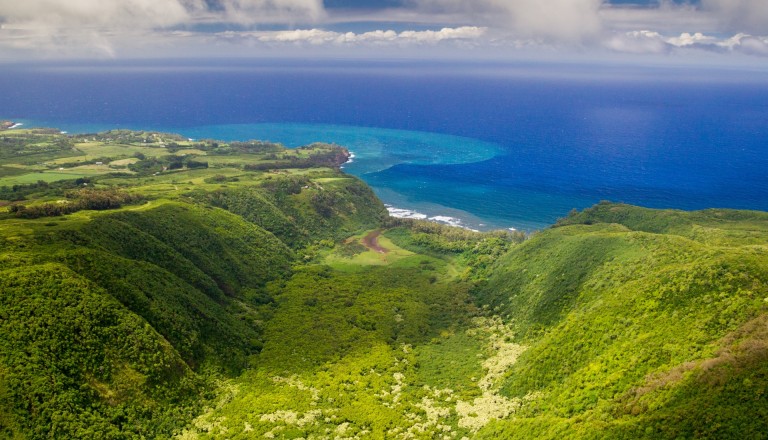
(405, 213)
(442, 219)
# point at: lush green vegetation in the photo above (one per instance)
(126, 297)
(169, 288)
(640, 323)
(77, 201)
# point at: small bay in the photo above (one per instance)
(484, 148)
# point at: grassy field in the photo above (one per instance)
(52, 176)
(123, 162)
(354, 255)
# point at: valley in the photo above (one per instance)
(153, 286)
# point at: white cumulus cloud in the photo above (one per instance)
(688, 39)
(651, 42)
(637, 42)
(747, 44)
(319, 36)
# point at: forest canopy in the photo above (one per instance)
(157, 287)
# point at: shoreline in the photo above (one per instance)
(455, 222)
(360, 161)
(415, 215)
(350, 159)
(9, 125)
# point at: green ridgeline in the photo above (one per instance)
(641, 324)
(125, 297)
(169, 288)
(180, 277)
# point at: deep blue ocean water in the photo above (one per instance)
(496, 148)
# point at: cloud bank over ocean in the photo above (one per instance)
(495, 29)
(559, 20)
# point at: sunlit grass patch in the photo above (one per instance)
(100, 149)
(51, 176)
(192, 151)
(391, 253)
(123, 162)
(330, 179)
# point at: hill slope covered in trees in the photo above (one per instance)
(156, 287)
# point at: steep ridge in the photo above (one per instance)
(641, 324)
(178, 274)
(116, 324)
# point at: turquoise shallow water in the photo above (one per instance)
(512, 150)
(374, 150)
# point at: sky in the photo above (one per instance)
(709, 31)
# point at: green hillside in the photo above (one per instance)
(156, 287)
(640, 324)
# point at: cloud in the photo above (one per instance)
(257, 11)
(740, 15)
(81, 27)
(150, 14)
(688, 28)
(558, 20)
(687, 39)
(494, 29)
(93, 13)
(747, 44)
(651, 42)
(377, 37)
(444, 34)
(88, 27)
(664, 18)
(637, 42)
(31, 43)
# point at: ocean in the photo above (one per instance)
(482, 146)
